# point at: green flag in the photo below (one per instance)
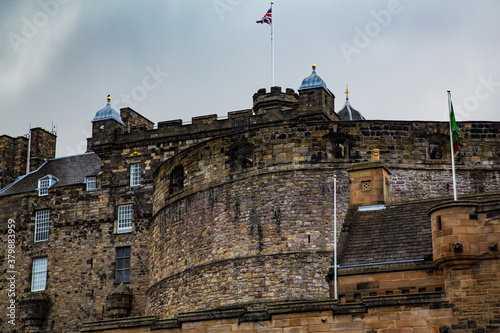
(454, 130)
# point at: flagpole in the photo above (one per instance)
(452, 150)
(335, 234)
(272, 43)
(29, 151)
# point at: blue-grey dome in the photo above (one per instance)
(348, 112)
(107, 113)
(313, 81)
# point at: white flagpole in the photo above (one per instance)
(335, 233)
(272, 43)
(29, 151)
(451, 149)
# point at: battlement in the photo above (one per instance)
(275, 100)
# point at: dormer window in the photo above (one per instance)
(91, 183)
(44, 184)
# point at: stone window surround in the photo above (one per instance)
(122, 264)
(42, 225)
(135, 174)
(125, 218)
(39, 274)
(366, 185)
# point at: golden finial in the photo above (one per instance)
(109, 98)
(314, 67)
(346, 92)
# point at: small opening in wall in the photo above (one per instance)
(439, 226)
(421, 290)
(53, 325)
(309, 238)
(438, 289)
(405, 291)
(389, 292)
(366, 185)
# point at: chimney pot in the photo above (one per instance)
(376, 155)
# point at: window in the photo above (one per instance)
(176, 179)
(135, 174)
(122, 264)
(91, 183)
(124, 219)
(43, 186)
(39, 274)
(42, 222)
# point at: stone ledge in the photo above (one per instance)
(210, 314)
(409, 299)
(244, 314)
(117, 323)
(302, 306)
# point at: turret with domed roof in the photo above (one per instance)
(315, 97)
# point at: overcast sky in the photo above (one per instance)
(176, 59)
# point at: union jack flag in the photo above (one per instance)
(267, 18)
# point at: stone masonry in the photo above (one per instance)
(233, 223)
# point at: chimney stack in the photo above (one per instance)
(369, 182)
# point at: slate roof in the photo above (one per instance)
(313, 81)
(108, 112)
(350, 113)
(400, 232)
(69, 170)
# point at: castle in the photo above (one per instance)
(228, 224)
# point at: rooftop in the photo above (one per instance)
(107, 113)
(313, 81)
(399, 233)
(68, 170)
(348, 112)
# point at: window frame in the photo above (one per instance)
(42, 225)
(91, 180)
(43, 186)
(135, 174)
(39, 271)
(122, 264)
(125, 219)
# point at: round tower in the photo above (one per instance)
(241, 219)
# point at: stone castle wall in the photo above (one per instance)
(80, 251)
(242, 208)
(267, 193)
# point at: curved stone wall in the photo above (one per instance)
(267, 237)
(248, 217)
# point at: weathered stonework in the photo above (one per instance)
(233, 223)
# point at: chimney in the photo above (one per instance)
(369, 182)
(42, 147)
